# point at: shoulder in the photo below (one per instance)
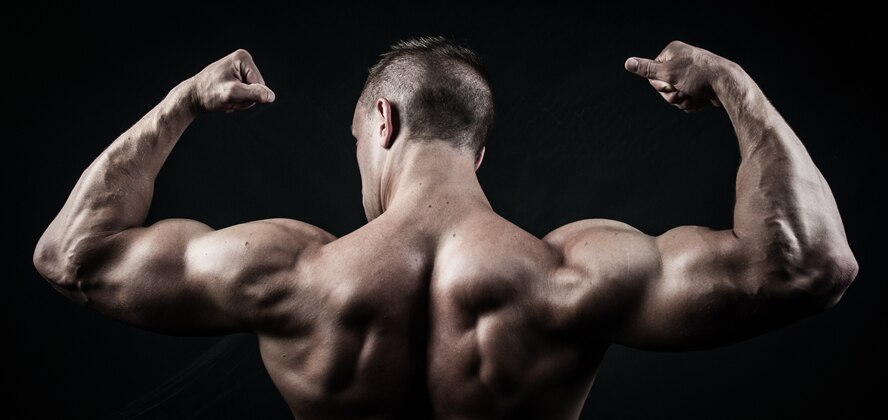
(575, 240)
(564, 232)
(255, 267)
(293, 229)
(263, 235)
(262, 246)
(600, 263)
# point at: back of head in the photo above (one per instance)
(439, 89)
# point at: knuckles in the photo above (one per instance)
(677, 45)
(241, 53)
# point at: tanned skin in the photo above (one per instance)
(438, 307)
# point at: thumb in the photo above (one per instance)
(643, 67)
(258, 92)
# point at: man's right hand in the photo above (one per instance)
(230, 84)
(683, 74)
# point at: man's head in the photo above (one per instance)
(422, 90)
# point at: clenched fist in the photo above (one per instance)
(683, 74)
(230, 84)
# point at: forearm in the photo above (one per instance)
(115, 191)
(785, 211)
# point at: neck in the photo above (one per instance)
(429, 174)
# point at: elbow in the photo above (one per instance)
(46, 259)
(50, 262)
(825, 276)
(838, 275)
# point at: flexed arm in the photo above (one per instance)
(175, 276)
(785, 258)
(785, 211)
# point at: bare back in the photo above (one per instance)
(459, 312)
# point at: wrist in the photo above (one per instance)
(184, 98)
(727, 76)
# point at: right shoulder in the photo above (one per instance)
(563, 234)
(599, 261)
(588, 243)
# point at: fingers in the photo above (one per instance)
(242, 96)
(260, 93)
(236, 96)
(649, 69)
(239, 107)
(253, 89)
(688, 105)
(662, 86)
(678, 99)
(672, 97)
(247, 70)
(683, 102)
(251, 75)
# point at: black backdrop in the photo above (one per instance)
(576, 137)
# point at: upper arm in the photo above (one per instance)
(691, 287)
(182, 277)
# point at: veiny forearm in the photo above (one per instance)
(115, 191)
(785, 211)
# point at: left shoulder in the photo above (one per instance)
(282, 234)
(294, 230)
(262, 246)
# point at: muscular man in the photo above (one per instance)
(438, 307)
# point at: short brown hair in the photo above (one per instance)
(439, 88)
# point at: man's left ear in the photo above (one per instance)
(480, 157)
(390, 122)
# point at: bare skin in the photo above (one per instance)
(438, 307)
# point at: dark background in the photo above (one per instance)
(576, 137)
